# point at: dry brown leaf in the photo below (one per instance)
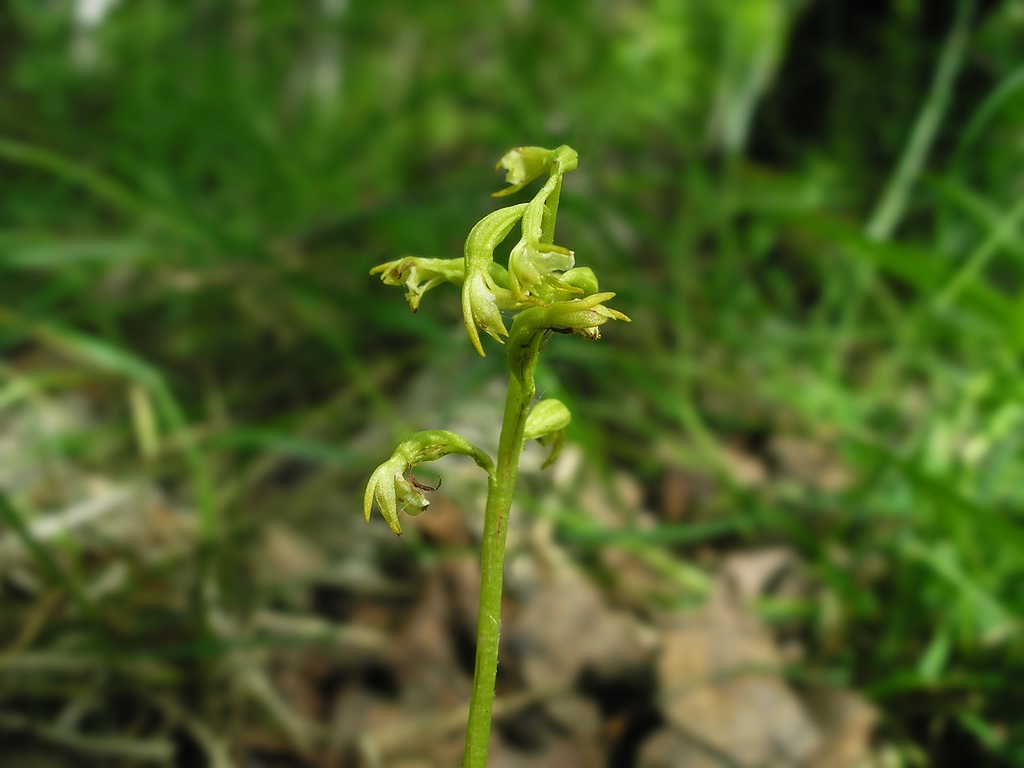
(746, 469)
(444, 523)
(285, 556)
(576, 716)
(751, 573)
(564, 625)
(557, 753)
(846, 721)
(668, 748)
(719, 682)
(810, 461)
(423, 654)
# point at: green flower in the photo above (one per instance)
(392, 486)
(532, 270)
(482, 298)
(524, 164)
(580, 316)
(534, 261)
(420, 274)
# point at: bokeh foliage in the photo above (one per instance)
(194, 193)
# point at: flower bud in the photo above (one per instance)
(547, 422)
(547, 416)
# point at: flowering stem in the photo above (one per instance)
(492, 556)
(548, 293)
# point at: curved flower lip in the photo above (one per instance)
(388, 485)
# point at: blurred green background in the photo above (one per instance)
(811, 209)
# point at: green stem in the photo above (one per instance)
(492, 557)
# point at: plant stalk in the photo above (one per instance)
(492, 562)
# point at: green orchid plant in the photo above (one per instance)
(544, 292)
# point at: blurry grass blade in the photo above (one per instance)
(999, 235)
(101, 187)
(982, 211)
(916, 266)
(893, 203)
(580, 530)
(922, 270)
(22, 253)
(992, 736)
(936, 656)
(46, 563)
(115, 749)
(993, 619)
(984, 522)
(279, 442)
(99, 354)
(755, 35)
(147, 431)
(1003, 94)
(33, 624)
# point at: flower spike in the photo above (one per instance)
(547, 293)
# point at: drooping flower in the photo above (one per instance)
(524, 164)
(482, 298)
(391, 485)
(419, 274)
